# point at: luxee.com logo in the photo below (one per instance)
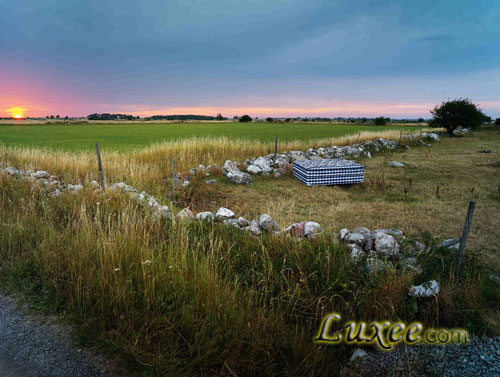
(385, 334)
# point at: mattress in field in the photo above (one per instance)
(328, 172)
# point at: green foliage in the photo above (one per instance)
(127, 136)
(106, 116)
(459, 113)
(269, 119)
(245, 118)
(497, 122)
(380, 121)
(181, 117)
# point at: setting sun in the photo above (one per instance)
(16, 112)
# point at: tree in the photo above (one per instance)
(219, 117)
(364, 120)
(497, 122)
(420, 120)
(245, 118)
(269, 119)
(380, 121)
(460, 112)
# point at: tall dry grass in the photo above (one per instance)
(192, 299)
(153, 164)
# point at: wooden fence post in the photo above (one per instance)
(173, 179)
(275, 151)
(463, 238)
(357, 140)
(99, 166)
(400, 134)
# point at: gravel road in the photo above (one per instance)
(35, 346)
(481, 358)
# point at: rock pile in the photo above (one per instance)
(279, 163)
(381, 248)
(234, 175)
(396, 164)
(264, 224)
(58, 188)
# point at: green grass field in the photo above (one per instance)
(124, 137)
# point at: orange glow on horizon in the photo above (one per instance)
(16, 112)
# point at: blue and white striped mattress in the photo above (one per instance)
(328, 172)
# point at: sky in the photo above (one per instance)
(264, 58)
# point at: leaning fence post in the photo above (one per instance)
(357, 140)
(99, 165)
(275, 150)
(173, 179)
(400, 134)
(463, 238)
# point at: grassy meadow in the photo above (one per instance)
(173, 298)
(127, 136)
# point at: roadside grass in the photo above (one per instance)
(194, 299)
(126, 137)
(455, 165)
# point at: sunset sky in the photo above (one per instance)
(261, 57)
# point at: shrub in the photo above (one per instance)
(380, 121)
(245, 118)
(460, 112)
(497, 122)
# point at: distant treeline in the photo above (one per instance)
(180, 117)
(106, 116)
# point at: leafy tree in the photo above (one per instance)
(269, 119)
(364, 120)
(288, 120)
(497, 122)
(460, 112)
(219, 117)
(245, 118)
(420, 120)
(380, 121)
